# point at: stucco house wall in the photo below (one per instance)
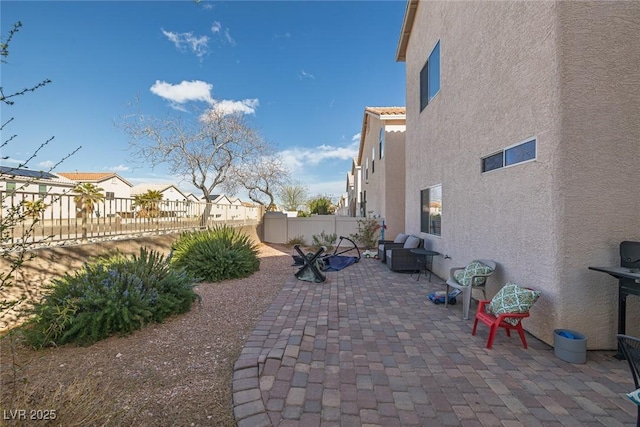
(385, 181)
(564, 73)
(393, 169)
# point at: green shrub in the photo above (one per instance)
(324, 239)
(298, 240)
(368, 231)
(217, 254)
(108, 295)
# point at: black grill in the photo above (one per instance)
(630, 255)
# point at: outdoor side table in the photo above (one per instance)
(424, 261)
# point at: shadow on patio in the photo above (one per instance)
(366, 347)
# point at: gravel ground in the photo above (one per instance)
(177, 373)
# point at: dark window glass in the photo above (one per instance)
(424, 86)
(430, 77)
(434, 72)
(431, 210)
(520, 153)
(492, 162)
(424, 213)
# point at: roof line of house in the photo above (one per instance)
(405, 32)
(382, 113)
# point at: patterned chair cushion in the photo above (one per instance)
(512, 299)
(476, 267)
(635, 396)
(401, 238)
(412, 242)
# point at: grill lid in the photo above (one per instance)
(630, 254)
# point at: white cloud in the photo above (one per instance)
(119, 168)
(216, 28)
(197, 90)
(298, 158)
(199, 45)
(230, 39)
(304, 74)
(184, 91)
(246, 106)
(47, 164)
(356, 137)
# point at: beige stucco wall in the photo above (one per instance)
(510, 71)
(385, 186)
(393, 169)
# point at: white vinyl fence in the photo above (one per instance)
(278, 228)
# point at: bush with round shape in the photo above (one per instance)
(217, 254)
(114, 294)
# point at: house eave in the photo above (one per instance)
(405, 32)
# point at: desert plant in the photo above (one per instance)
(368, 231)
(298, 240)
(148, 204)
(216, 254)
(108, 295)
(324, 239)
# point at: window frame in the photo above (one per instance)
(373, 159)
(381, 143)
(429, 75)
(427, 215)
(503, 153)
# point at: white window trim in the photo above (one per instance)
(504, 151)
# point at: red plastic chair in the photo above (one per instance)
(499, 322)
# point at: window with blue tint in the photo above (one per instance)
(381, 142)
(434, 72)
(430, 77)
(520, 153)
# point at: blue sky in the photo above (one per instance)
(301, 71)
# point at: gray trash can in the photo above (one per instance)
(570, 346)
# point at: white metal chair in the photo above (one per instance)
(630, 348)
(477, 280)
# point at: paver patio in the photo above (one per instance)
(367, 348)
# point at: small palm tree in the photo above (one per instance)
(34, 208)
(148, 204)
(86, 198)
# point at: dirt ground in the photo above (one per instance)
(177, 373)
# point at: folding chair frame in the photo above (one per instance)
(309, 263)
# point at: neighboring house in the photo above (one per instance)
(17, 185)
(354, 185)
(174, 202)
(114, 185)
(223, 208)
(523, 146)
(382, 160)
(250, 211)
(342, 208)
(116, 190)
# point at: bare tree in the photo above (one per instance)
(14, 251)
(293, 195)
(202, 150)
(261, 177)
